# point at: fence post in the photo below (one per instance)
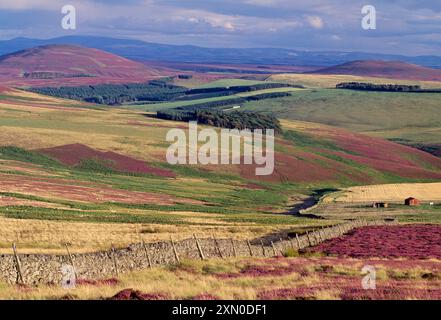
(309, 239)
(274, 248)
(147, 254)
(201, 254)
(263, 248)
(234, 248)
(298, 241)
(315, 237)
(281, 246)
(71, 260)
(249, 247)
(174, 250)
(17, 265)
(320, 237)
(217, 246)
(115, 265)
(324, 233)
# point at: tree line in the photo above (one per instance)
(240, 89)
(114, 94)
(378, 87)
(230, 120)
(153, 91)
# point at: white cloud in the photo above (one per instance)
(315, 22)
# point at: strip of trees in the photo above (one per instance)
(240, 89)
(384, 87)
(114, 94)
(231, 120)
(151, 92)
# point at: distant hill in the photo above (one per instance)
(140, 50)
(384, 69)
(70, 65)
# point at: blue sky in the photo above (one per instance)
(411, 27)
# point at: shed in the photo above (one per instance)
(380, 205)
(411, 202)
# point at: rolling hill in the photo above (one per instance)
(383, 69)
(90, 176)
(70, 65)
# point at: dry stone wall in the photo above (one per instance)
(39, 269)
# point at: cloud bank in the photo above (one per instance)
(403, 26)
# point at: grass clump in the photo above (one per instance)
(290, 253)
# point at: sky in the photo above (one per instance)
(410, 27)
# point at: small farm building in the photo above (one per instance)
(411, 202)
(380, 205)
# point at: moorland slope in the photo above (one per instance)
(70, 65)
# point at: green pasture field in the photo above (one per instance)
(224, 83)
(175, 104)
(412, 116)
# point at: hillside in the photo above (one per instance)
(117, 187)
(411, 119)
(70, 65)
(383, 69)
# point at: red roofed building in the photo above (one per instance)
(411, 202)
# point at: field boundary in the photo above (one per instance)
(36, 269)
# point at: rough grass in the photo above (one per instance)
(275, 278)
(49, 236)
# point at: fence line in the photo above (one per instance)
(35, 269)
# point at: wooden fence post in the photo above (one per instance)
(309, 239)
(274, 248)
(71, 260)
(201, 254)
(147, 254)
(249, 247)
(234, 248)
(263, 248)
(282, 248)
(174, 250)
(325, 234)
(17, 265)
(315, 237)
(298, 241)
(217, 246)
(319, 235)
(115, 265)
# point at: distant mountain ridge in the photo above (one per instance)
(140, 50)
(384, 69)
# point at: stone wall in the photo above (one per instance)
(47, 269)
